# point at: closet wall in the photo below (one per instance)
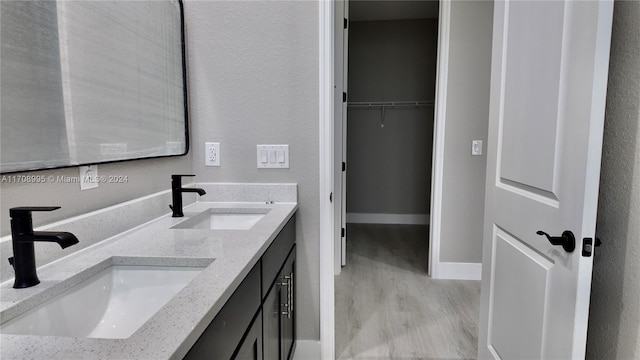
(389, 167)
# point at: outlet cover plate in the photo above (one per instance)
(212, 154)
(88, 177)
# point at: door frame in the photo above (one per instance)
(440, 118)
(326, 186)
(327, 161)
(339, 127)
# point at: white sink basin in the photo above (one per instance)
(215, 219)
(112, 304)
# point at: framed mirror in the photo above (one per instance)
(88, 82)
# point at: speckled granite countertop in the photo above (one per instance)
(172, 331)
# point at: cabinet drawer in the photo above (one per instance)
(276, 254)
(222, 336)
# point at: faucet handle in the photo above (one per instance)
(27, 209)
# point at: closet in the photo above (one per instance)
(390, 80)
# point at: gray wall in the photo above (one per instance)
(254, 80)
(467, 119)
(389, 168)
(614, 319)
(144, 177)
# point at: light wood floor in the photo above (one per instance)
(387, 307)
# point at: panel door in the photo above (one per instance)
(343, 182)
(341, 39)
(548, 89)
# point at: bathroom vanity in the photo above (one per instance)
(212, 280)
(260, 313)
(241, 299)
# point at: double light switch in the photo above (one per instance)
(273, 156)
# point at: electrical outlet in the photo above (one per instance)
(88, 177)
(212, 154)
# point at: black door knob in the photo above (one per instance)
(567, 240)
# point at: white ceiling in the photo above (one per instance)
(369, 10)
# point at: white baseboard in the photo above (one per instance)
(378, 218)
(307, 350)
(457, 271)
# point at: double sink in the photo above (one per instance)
(116, 297)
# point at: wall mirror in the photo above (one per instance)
(87, 82)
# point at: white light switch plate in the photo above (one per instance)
(476, 147)
(272, 156)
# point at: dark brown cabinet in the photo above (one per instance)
(287, 304)
(258, 320)
(223, 335)
(271, 324)
(251, 346)
(279, 313)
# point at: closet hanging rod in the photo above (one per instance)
(388, 103)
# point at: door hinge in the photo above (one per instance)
(344, 97)
(346, 23)
(331, 197)
(342, 232)
(344, 166)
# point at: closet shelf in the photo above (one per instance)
(385, 104)
(369, 104)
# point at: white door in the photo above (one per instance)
(548, 88)
(339, 144)
(345, 77)
(340, 131)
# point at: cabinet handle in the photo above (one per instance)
(292, 293)
(288, 296)
(288, 306)
(287, 279)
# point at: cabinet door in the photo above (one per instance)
(271, 323)
(223, 335)
(276, 255)
(251, 347)
(287, 304)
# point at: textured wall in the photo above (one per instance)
(254, 80)
(614, 320)
(389, 168)
(467, 119)
(144, 177)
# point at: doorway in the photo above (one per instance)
(386, 306)
(462, 99)
(386, 122)
(460, 261)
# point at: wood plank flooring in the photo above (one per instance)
(387, 307)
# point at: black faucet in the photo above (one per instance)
(23, 237)
(176, 194)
